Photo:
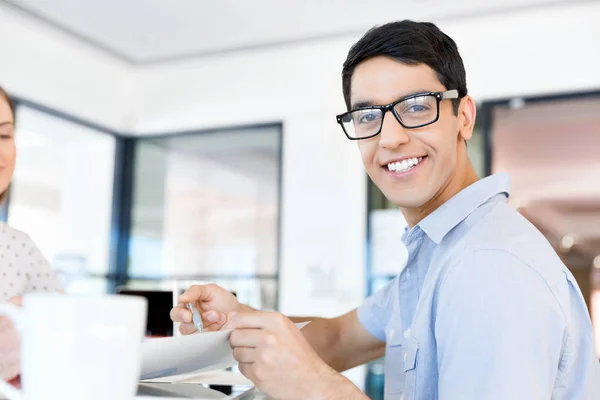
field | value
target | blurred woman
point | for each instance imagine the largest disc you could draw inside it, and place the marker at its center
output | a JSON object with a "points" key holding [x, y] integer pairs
{"points": [[23, 268]]}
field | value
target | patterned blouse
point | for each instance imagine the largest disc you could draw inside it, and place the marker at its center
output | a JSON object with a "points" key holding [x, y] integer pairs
{"points": [[23, 268]]}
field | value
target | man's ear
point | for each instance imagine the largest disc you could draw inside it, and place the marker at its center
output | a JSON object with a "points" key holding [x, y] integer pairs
{"points": [[466, 117]]}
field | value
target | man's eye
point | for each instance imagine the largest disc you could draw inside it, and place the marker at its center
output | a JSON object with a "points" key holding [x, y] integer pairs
{"points": [[367, 118], [415, 108]]}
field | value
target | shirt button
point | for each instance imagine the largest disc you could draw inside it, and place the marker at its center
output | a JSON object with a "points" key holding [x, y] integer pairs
{"points": [[406, 333], [404, 357], [391, 334]]}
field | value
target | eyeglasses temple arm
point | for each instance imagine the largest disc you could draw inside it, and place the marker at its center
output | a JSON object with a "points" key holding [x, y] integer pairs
{"points": [[450, 94]]}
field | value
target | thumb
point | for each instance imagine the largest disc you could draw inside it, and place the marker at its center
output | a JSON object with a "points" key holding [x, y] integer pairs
{"points": [[213, 317]]}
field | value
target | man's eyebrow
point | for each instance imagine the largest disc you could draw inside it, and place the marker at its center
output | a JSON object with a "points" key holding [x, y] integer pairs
{"points": [[361, 104], [368, 103], [6, 123]]}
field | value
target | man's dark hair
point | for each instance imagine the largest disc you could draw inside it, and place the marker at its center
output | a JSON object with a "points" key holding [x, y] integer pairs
{"points": [[410, 43]]}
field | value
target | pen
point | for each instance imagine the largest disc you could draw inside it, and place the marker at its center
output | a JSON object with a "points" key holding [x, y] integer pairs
{"points": [[195, 316]]}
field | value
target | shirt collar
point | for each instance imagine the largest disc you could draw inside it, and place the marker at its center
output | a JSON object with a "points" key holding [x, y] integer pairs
{"points": [[437, 224]]}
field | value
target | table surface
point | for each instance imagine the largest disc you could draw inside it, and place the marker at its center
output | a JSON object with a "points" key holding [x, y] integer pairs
{"points": [[191, 388]]}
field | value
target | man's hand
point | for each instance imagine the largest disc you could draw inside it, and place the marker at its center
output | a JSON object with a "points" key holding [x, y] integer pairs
{"points": [[213, 302], [274, 354], [10, 346]]}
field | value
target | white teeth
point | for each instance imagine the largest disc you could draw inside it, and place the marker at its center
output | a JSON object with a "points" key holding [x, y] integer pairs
{"points": [[404, 165]]}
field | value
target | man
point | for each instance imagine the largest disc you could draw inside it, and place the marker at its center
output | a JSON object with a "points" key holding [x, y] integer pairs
{"points": [[484, 308]]}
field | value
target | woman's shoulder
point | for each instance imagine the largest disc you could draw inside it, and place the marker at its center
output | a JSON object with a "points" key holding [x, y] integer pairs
{"points": [[17, 247], [23, 268], [8, 233], [16, 261]]}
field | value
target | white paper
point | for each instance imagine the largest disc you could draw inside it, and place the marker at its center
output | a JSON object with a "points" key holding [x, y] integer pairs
{"points": [[202, 351], [223, 378], [183, 355]]}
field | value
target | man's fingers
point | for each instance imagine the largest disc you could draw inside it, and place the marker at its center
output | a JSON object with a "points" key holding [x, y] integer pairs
{"points": [[188, 326], [246, 370], [180, 314], [255, 320], [187, 329], [213, 317], [244, 354], [16, 300], [198, 293], [249, 338], [213, 320]]}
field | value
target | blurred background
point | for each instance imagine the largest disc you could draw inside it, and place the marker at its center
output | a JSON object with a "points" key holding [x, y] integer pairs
{"points": [[166, 143]]}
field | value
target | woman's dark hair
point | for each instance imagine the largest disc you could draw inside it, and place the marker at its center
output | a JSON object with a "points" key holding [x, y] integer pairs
{"points": [[410, 43]]}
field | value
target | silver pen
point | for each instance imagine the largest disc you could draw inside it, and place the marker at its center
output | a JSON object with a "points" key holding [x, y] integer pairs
{"points": [[196, 318]]}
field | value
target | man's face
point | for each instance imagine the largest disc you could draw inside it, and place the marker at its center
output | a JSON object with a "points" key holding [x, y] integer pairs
{"points": [[380, 81]]}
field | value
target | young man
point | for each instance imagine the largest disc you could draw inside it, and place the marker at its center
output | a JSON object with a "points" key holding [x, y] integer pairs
{"points": [[484, 308]]}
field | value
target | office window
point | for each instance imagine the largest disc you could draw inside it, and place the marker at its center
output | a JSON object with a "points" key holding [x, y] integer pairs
{"points": [[61, 195], [206, 208]]}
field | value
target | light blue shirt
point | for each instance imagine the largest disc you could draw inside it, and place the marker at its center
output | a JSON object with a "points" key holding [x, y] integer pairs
{"points": [[484, 309]]}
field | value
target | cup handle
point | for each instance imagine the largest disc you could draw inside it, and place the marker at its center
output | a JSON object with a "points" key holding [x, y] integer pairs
{"points": [[15, 314]]}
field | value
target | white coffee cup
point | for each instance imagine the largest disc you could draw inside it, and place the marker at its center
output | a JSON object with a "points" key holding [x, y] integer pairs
{"points": [[75, 347]]}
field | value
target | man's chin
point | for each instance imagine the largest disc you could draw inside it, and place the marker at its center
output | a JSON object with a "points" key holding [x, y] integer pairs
{"points": [[407, 201]]}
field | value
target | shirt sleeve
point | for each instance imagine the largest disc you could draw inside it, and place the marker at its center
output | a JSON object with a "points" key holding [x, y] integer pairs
{"points": [[499, 330], [374, 313]]}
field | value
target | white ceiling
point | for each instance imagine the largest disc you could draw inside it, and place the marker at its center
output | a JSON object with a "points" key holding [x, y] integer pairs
{"points": [[150, 31]]}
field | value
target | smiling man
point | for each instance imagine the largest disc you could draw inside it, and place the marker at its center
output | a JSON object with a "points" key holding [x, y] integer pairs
{"points": [[484, 308]]}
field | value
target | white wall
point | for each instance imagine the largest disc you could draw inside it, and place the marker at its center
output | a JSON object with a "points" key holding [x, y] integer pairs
{"points": [[47, 66], [532, 52]]}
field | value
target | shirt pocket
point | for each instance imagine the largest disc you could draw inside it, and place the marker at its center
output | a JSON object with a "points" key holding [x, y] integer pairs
{"points": [[410, 368], [394, 360]]}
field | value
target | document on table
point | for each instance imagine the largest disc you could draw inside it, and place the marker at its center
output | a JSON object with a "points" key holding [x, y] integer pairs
{"points": [[184, 355]]}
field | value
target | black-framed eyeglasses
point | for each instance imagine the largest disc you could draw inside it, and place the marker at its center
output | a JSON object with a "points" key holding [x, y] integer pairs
{"points": [[414, 111]]}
